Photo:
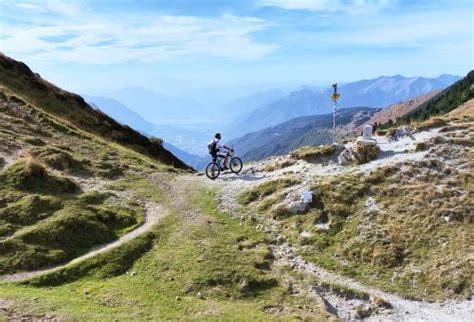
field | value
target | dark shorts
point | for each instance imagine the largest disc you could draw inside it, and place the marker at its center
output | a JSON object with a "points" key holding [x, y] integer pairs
{"points": [[214, 156]]}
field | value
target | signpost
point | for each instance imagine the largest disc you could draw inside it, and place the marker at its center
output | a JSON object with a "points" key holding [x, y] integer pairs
{"points": [[335, 96]]}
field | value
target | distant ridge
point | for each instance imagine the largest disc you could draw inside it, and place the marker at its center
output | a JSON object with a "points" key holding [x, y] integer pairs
{"points": [[379, 92], [18, 77]]}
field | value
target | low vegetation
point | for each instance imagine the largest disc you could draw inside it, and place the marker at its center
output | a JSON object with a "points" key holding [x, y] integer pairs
{"points": [[30, 88], [434, 122], [405, 229], [364, 153], [266, 189], [183, 268], [443, 103], [311, 154]]}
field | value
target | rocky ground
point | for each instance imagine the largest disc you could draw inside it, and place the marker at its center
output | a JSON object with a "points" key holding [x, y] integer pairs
{"points": [[363, 301]]}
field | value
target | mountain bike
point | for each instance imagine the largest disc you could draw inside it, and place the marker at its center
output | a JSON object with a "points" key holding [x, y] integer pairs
{"points": [[213, 169]]}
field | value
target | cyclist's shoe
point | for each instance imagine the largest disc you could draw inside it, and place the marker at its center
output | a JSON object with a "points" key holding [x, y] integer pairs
{"points": [[225, 168]]}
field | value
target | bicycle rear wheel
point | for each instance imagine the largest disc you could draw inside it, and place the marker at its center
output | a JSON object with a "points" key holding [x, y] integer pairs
{"points": [[236, 165], [213, 170]]}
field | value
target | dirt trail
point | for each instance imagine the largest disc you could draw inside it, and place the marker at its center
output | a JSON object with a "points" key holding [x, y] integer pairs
{"points": [[153, 213], [230, 186], [286, 255]]}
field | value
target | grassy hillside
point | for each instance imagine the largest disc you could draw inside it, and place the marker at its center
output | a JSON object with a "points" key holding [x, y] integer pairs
{"points": [[67, 188], [53, 206], [405, 227], [31, 88]]}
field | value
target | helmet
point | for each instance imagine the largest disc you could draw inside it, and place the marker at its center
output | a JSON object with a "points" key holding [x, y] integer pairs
{"points": [[217, 136]]}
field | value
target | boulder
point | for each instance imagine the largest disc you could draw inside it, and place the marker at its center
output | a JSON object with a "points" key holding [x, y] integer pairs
{"points": [[345, 157]]}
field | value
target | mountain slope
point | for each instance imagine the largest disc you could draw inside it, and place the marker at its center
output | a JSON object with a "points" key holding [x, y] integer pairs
{"points": [[307, 130], [393, 112], [120, 113], [378, 92], [92, 229], [18, 78], [448, 100], [158, 107], [124, 115], [240, 108]]}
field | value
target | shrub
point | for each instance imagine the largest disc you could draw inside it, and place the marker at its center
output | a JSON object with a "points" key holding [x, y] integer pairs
{"points": [[266, 189], [431, 123], [310, 153], [365, 153], [31, 175], [58, 159], [421, 146], [157, 141]]}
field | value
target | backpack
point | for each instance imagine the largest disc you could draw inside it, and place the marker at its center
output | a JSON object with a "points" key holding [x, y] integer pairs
{"points": [[212, 146]]}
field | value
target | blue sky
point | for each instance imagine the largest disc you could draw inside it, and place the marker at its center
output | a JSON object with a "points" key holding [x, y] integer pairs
{"points": [[174, 46]]}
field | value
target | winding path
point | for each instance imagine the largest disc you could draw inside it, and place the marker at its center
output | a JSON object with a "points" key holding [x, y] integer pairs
{"points": [[153, 213]]}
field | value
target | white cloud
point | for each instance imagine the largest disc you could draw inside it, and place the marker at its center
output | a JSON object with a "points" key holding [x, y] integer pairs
{"points": [[425, 30], [86, 37], [351, 6]]}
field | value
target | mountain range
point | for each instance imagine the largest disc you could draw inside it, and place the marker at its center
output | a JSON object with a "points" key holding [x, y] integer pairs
{"points": [[160, 108], [306, 130], [378, 92]]}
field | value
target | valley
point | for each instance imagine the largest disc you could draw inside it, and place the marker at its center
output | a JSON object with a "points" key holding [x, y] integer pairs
{"points": [[99, 221]]}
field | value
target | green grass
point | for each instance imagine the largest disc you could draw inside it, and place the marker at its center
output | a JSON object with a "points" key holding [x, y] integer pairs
{"points": [[406, 246], [266, 189], [310, 153], [30, 175], [20, 86], [159, 275]]}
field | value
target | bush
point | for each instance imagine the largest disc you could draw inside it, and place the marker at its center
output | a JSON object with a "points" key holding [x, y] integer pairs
{"points": [[58, 159], [310, 153], [421, 146], [266, 189], [431, 123], [157, 141], [365, 153], [31, 175]]}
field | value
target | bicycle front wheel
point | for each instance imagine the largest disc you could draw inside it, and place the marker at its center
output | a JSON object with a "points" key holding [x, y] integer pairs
{"points": [[236, 165], [213, 170]]}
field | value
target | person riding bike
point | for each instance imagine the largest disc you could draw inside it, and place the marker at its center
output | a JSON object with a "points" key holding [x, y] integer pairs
{"points": [[214, 148]]}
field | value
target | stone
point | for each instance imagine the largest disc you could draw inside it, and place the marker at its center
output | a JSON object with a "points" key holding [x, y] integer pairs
{"points": [[307, 197], [296, 207], [345, 157], [367, 132], [305, 234]]}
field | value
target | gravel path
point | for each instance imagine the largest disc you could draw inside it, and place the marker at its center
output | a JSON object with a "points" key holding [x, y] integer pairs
{"points": [[393, 152], [153, 213]]}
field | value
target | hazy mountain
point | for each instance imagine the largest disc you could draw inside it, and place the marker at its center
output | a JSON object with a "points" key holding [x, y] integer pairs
{"points": [[124, 115], [378, 92], [121, 113], [196, 161], [306, 130], [242, 106], [158, 107]]}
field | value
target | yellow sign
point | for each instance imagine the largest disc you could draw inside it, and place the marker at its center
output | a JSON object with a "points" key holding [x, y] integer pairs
{"points": [[335, 96]]}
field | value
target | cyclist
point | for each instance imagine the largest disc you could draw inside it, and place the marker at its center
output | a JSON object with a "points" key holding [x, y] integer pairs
{"points": [[214, 148]]}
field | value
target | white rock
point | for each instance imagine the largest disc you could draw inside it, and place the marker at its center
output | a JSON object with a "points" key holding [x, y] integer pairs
{"points": [[307, 197], [344, 157], [305, 234]]}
